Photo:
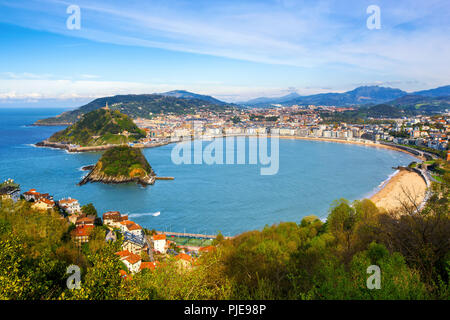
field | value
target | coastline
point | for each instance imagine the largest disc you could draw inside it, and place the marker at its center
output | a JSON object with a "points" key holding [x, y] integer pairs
{"points": [[399, 189], [388, 196], [55, 145]]}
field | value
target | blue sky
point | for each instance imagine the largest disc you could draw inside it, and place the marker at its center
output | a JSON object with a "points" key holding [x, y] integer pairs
{"points": [[233, 50]]}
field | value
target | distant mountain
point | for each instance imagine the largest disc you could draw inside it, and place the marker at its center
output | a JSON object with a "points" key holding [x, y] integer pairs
{"points": [[358, 96], [99, 127], [189, 95], [437, 92], [421, 104], [140, 105], [269, 101], [384, 111]]}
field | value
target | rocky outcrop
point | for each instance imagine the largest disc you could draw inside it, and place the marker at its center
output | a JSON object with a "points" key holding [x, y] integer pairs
{"points": [[96, 175]]}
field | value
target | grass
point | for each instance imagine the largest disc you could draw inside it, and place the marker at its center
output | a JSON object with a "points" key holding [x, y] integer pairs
{"points": [[194, 242], [437, 178]]}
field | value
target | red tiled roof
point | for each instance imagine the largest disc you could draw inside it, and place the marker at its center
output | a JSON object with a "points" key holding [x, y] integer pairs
{"points": [[134, 227], [159, 237], [82, 231], [123, 253], [133, 258], [184, 256], [114, 215], [46, 201], [67, 201], [85, 219], [147, 265]]}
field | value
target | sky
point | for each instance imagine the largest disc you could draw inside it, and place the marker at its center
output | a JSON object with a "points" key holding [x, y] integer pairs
{"points": [[232, 50]]}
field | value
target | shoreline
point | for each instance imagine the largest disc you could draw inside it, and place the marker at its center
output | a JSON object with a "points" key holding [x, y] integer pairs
{"points": [[399, 189], [362, 142], [384, 197]]}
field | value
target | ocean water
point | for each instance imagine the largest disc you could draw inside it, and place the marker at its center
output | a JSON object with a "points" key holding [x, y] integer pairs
{"points": [[202, 198]]}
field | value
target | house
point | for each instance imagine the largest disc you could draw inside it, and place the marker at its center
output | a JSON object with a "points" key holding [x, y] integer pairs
{"points": [[70, 206], [113, 219], [132, 227], [132, 261], [85, 221], [43, 204], [133, 243], [184, 260], [81, 234], [33, 195], [9, 190], [159, 242]]}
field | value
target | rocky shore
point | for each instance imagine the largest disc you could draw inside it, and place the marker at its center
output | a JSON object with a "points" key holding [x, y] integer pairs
{"points": [[97, 176], [69, 148]]}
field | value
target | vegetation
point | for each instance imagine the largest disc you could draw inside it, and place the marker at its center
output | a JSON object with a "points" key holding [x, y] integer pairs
{"points": [[142, 105], [100, 127], [124, 161], [307, 260]]}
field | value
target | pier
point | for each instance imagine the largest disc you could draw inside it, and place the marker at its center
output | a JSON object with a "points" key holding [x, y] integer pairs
{"points": [[191, 235]]}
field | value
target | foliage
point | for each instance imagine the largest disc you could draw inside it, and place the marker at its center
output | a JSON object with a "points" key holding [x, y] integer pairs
{"points": [[124, 161], [143, 106], [99, 127], [306, 260]]}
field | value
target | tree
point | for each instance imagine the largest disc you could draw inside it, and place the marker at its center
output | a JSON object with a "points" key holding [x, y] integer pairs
{"points": [[102, 280]]}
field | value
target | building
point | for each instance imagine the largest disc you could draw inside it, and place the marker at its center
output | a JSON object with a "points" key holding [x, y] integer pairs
{"points": [[133, 243], [132, 227], [43, 204], [132, 261], [33, 195], [85, 221], [159, 243], [70, 206], [136, 230], [81, 234], [113, 219], [184, 260], [9, 190]]}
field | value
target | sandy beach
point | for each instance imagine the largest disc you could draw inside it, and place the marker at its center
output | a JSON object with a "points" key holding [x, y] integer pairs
{"points": [[402, 187]]}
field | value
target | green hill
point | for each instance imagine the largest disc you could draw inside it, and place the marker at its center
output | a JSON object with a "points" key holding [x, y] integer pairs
{"points": [[121, 164], [100, 127], [140, 105]]}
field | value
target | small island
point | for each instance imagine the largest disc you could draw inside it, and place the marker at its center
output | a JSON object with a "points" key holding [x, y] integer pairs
{"points": [[121, 164]]}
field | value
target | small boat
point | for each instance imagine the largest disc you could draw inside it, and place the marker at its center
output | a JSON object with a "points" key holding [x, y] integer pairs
{"points": [[156, 214]]}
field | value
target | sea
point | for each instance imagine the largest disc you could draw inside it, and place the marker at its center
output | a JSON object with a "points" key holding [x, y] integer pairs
{"points": [[203, 198]]}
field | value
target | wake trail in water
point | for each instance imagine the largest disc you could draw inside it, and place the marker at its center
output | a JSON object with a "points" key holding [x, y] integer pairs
{"points": [[136, 215]]}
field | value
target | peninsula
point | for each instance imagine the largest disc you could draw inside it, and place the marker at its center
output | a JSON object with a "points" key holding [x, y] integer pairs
{"points": [[97, 128], [121, 164]]}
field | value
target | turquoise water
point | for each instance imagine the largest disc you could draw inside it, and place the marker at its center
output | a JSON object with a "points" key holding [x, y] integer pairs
{"points": [[202, 198]]}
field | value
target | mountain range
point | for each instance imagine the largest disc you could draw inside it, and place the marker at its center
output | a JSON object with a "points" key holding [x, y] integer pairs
{"points": [[184, 102]]}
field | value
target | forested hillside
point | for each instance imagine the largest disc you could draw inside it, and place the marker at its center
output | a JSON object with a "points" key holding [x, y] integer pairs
{"points": [[305, 260]]}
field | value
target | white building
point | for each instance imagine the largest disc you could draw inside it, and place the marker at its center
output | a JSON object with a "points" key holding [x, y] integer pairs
{"points": [[69, 205], [159, 242]]}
